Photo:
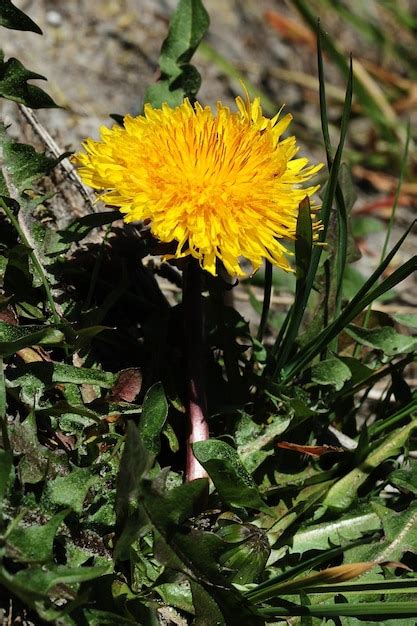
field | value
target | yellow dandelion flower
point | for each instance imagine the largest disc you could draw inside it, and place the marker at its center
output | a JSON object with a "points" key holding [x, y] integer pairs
{"points": [[222, 185]]}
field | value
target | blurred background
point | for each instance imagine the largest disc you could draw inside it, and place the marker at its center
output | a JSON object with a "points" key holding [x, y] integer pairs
{"points": [[100, 55]]}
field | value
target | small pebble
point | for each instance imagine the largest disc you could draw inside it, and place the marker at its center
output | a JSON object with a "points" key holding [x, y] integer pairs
{"points": [[54, 18]]}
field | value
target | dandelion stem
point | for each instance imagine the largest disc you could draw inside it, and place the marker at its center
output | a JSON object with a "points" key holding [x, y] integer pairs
{"points": [[194, 338]]}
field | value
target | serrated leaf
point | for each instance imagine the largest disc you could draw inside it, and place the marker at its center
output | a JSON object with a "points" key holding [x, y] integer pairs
{"points": [[14, 85], [386, 339], [400, 536], [33, 544], [252, 439], [71, 490], [193, 551], [22, 163], [331, 372], [234, 484], [153, 417], [35, 457], [179, 79], [14, 18], [335, 532], [405, 478], [358, 370]]}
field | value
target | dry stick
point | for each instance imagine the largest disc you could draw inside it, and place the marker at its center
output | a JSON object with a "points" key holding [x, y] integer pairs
{"points": [[194, 341], [50, 143]]}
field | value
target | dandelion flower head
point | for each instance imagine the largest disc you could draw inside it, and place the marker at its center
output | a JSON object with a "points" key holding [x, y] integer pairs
{"points": [[222, 186]]}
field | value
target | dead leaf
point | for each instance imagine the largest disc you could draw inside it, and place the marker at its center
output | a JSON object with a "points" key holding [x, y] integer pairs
{"points": [[9, 316], [291, 29], [128, 385], [65, 441], [309, 450]]}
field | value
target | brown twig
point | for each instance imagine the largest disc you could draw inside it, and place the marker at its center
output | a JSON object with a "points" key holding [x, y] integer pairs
{"points": [[50, 143]]}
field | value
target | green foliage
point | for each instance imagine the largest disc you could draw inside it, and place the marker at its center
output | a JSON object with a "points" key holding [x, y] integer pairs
{"points": [[308, 487], [154, 415], [180, 79], [233, 483], [14, 85], [12, 17], [22, 164]]}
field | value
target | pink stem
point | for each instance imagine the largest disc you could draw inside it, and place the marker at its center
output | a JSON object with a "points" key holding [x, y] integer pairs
{"points": [[196, 403]]}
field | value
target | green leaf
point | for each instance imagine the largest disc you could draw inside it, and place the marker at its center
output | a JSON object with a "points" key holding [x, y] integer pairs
{"points": [[105, 618], [177, 594], [255, 442], [35, 582], [14, 338], [305, 288], [50, 373], [33, 544], [14, 85], [22, 164], [71, 490], [12, 17], [179, 79], [344, 492], [134, 464], [234, 484], [187, 27], [6, 464], [367, 294], [79, 228], [31, 235], [153, 418], [331, 372], [35, 458], [331, 533], [371, 610], [406, 319], [359, 372], [405, 478], [386, 339], [303, 256], [193, 551], [400, 536], [207, 611]]}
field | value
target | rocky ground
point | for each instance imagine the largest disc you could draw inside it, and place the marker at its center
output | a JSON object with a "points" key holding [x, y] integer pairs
{"points": [[100, 55]]}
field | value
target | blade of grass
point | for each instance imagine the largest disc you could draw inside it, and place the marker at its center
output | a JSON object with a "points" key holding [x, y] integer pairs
{"points": [[364, 296], [303, 258], [391, 221], [369, 587], [368, 93], [388, 610], [380, 426], [304, 566], [281, 350], [373, 378], [342, 218]]}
